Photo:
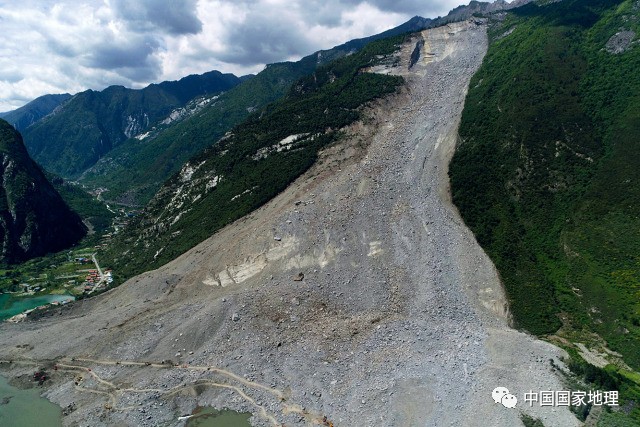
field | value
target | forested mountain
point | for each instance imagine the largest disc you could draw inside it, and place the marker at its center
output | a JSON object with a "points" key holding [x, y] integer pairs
{"points": [[34, 220], [547, 171], [136, 169], [28, 114], [94, 213], [92, 123], [131, 141]]}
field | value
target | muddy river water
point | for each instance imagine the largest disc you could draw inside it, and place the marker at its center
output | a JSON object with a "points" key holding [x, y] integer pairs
{"points": [[26, 408]]}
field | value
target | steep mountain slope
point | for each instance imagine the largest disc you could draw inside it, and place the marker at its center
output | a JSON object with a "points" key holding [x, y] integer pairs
{"points": [[35, 110], [92, 123], [253, 163], [34, 220], [475, 8], [135, 170], [396, 320], [418, 23], [547, 171]]}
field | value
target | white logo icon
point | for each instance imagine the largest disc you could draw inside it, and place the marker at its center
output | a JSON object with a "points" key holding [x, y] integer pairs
{"points": [[502, 395], [509, 401], [498, 393]]}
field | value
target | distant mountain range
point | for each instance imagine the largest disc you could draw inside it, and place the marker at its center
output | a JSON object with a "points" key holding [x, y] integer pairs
{"points": [[90, 124], [131, 141], [35, 110], [34, 220], [135, 170]]}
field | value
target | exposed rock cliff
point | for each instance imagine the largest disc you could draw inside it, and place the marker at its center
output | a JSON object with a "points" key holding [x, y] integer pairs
{"points": [[34, 220]]}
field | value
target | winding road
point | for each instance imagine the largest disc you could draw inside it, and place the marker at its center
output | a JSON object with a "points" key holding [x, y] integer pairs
{"points": [[115, 393]]}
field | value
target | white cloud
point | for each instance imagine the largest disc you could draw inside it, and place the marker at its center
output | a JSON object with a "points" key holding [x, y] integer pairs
{"points": [[56, 46]]}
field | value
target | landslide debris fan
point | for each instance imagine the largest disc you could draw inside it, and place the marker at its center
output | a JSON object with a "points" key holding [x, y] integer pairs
{"points": [[34, 220], [254, 162]]}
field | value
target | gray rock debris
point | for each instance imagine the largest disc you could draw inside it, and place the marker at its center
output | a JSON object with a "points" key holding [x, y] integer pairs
{"points": [[620, 42]]}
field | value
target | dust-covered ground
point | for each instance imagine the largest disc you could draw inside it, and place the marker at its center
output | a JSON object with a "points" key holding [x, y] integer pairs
{"points": [[357, 294]]}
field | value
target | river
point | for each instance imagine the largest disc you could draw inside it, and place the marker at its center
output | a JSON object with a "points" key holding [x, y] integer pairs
{"points": [[10, 306], [210, 417], [25, 408]]}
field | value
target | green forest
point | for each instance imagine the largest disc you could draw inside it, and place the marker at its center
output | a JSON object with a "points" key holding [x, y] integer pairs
{"points": [[135, 170], [547, 169]]}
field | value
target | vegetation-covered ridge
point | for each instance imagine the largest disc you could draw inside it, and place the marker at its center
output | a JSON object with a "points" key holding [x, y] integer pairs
{"points": [[252, 163], [135, 170], [547, 172], [23, 117], [92, 211], [90, 124], [34, 219]]}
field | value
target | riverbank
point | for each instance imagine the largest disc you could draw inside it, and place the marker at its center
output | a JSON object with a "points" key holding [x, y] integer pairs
{"points": [[26, 408], [14, 309]]}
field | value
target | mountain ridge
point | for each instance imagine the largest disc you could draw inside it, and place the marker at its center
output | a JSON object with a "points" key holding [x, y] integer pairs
{"points": [[546, 176], [30, 113], [91, 123], [133, 172], [34, 220]]}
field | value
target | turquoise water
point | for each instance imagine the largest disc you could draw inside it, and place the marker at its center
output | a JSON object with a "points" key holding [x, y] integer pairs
{"points": [[210, 417], [25, 408], [10, 306]]}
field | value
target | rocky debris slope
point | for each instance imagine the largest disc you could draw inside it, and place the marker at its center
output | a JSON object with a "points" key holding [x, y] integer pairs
{"points": [[620, 42], [357, 294]]}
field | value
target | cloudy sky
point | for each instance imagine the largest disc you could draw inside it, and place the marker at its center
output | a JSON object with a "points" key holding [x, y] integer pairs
{"points": [[57, 46]]}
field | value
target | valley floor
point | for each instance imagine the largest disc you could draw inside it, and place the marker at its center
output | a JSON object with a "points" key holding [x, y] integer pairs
{"points": [[398, 317]]}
